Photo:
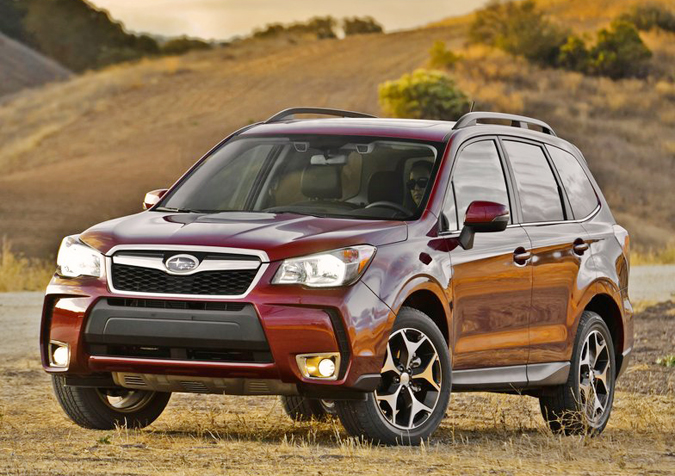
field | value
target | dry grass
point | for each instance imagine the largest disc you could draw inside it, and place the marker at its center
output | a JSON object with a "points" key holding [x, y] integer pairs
{"points": [[209, 434], [482, 434], [663, 256], [18, 273]]}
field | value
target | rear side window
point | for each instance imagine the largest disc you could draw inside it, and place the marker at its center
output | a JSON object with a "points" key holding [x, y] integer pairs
{"points": [[579, 189], [537, 187], [478, 175]]}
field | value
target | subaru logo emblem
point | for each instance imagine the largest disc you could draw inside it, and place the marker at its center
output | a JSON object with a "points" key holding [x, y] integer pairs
{"points": [[181, 263]]}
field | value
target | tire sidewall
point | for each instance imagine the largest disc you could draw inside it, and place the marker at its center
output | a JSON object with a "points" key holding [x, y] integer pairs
{"points": [[410, 318], [593, 322]]}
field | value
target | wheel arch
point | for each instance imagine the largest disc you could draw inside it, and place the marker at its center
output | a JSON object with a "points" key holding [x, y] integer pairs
{"points": [[426, 295], [604, 298]]}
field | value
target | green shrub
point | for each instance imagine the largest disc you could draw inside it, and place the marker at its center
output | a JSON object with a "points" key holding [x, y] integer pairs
{"points": [[440, 57], [667, 361], [619, 52], [361, 26], [423, 94], [574, 55], [650, 16], [520, 29]]}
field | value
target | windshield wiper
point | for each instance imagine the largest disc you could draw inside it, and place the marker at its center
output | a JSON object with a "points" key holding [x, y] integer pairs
{"points": [[296, 212], [179, 210]]}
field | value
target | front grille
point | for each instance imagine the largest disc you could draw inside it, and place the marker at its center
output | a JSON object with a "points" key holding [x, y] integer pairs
{"points": [[213, 283], [165, 304], [181, 353]]}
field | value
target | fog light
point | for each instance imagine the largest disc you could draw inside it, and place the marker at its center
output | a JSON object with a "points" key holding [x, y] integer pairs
{"points": [[326, 368], [59, 354], [319, 366]]}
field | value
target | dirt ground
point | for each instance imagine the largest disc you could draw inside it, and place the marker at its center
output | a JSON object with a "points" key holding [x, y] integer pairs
{"points": [[209, 434]]}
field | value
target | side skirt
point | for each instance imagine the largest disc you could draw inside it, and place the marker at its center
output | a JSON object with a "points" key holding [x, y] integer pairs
{"points": [[514, 377]]}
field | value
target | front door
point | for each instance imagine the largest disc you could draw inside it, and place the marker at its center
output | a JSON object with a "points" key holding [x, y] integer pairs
{"points": [[492, 282]]}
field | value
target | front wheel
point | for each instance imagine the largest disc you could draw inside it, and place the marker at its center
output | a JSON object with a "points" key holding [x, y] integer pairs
{"points": [[583, 404], [305, 409], [105, 409], [414, 391]]}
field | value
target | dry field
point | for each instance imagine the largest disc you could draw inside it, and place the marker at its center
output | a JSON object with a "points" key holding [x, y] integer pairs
{"points": [[482, 433], [75, 153]]}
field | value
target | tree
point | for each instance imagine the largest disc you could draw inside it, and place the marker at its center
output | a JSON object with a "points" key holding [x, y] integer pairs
{"points": [[423, 94], [179, 46], [574, 55], [361, 26], [81, 37], [650, 16], [619, 51], [520, 29]]}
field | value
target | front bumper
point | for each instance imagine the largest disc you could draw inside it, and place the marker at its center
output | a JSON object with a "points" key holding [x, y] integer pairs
{"points": [[273, 325]]}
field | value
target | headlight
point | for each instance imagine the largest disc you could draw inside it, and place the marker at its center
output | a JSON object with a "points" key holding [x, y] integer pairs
{"points": [[77, 259], [334, 268]]}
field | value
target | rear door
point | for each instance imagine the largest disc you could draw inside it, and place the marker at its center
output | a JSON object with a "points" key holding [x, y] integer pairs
{"points": [[491, 291], [559, 246]]}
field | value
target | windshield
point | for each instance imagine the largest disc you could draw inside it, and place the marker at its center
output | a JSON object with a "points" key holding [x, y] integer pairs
{"points": [[333, 176]]}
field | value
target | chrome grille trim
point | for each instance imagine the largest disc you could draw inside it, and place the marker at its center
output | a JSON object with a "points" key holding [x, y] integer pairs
{"points": [[206, 265], [263, 264]]}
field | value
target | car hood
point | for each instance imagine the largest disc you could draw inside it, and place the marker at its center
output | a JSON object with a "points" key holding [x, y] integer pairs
{"points": [[279, 235]]}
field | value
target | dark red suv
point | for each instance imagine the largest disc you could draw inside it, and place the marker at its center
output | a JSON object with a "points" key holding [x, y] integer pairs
{"points": [[357, 266]]}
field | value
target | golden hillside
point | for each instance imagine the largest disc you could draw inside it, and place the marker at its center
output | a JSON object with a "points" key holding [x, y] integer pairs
{"points": [[79, 152]]}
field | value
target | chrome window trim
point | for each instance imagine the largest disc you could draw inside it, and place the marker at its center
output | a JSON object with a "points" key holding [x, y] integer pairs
{"points": [[448, 234], [208, 249], [560, 222]]}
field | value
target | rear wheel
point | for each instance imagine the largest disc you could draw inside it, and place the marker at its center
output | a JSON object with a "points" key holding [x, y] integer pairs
{"points": [[104, 409], [306, 409], [414, 391], [583, 404]]}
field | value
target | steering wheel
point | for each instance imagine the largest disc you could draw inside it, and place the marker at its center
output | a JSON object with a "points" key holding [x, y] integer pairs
{"points": [[395, 206]]}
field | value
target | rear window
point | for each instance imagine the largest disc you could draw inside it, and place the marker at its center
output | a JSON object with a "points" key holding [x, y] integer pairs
{"points": [[540, 198], [579, 189]]}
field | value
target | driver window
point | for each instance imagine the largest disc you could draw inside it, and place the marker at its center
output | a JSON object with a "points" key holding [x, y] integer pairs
{"points": [[478, 175]]}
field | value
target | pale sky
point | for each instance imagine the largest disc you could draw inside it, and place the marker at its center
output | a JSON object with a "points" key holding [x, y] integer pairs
{"points": [[223, 19]]}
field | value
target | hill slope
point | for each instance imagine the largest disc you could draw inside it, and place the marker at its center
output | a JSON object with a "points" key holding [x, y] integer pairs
{"points": [[76, 153], [22, 67]]}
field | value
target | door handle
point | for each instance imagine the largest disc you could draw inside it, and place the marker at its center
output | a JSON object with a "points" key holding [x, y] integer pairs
{"points": [[521, 256], [580, 246]]}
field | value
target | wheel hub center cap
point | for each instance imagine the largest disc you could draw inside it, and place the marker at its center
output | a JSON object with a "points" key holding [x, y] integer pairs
{"points": [[405, 378]]}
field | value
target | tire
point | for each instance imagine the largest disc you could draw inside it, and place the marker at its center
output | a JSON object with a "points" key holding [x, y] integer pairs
{"points": [[572, 408], [104, 409], [425, 379], [306, 409]]}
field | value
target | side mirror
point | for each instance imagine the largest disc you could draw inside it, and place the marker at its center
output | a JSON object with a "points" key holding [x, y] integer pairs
{"points": [[151, 198], [483, 217]]}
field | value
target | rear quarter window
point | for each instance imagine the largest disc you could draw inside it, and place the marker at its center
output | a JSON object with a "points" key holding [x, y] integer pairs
{"points": [[579, 189]]}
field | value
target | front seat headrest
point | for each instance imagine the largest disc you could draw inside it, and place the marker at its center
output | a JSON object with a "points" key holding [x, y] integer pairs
{"points": [[322, 182], [385, 186]]}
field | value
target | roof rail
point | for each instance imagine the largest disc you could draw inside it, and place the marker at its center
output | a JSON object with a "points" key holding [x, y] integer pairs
{"points": [[289, 113], [472, 118]]}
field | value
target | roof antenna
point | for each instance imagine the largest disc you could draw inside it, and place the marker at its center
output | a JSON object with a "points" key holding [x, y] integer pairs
{"points": [[473, 103]]}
